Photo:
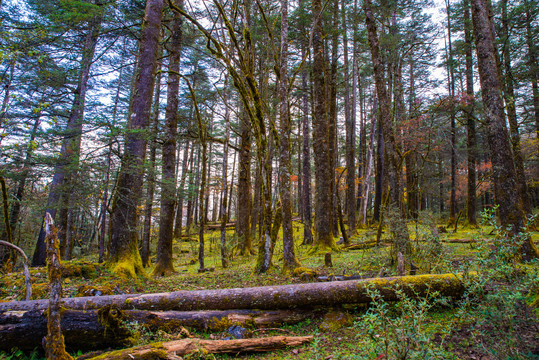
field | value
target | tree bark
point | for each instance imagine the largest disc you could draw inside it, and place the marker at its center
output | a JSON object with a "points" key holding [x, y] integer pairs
{"points": [[503, 171], [164, 265], [124, 256]]}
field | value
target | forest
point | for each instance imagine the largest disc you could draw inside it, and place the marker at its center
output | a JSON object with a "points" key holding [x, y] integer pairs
{"points": [[215, 179]]}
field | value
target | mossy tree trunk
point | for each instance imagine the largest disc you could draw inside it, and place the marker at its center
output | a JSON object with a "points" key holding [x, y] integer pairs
{"points": [[503, 170], [124, 256], [164, 264]]}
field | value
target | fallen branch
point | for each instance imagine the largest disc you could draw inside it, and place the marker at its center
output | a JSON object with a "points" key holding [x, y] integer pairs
{"points": [[26, 272], [306, 295], [173, 349]]}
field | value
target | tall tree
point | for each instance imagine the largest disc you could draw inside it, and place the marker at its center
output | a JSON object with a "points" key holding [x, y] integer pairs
{"points": [[399, 225], [70, 151], [503, 170], [322, 156], [471, 142], [164, 264], [124, 256], [290, 261]]}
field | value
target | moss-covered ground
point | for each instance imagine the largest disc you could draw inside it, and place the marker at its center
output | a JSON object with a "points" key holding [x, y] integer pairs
{"points": [[498, 320]]}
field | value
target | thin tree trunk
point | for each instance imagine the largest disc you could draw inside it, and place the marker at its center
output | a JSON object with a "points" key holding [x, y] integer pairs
{"points": [[471, 142], [289, 256], [350, 135], [164, 265], [400, 230], [532, 62], [181, 192], [151, 173], [368, 172], [70, 150]]}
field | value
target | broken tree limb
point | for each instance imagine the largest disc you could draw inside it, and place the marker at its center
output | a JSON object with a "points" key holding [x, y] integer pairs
{"points": [[293, 296], [99, 329], [26, 272], [173, 349]]}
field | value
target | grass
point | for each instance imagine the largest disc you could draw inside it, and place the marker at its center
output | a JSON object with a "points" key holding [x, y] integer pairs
{"points": [[441, 332]]}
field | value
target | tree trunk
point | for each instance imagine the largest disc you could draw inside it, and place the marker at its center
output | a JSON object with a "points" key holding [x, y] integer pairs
{"points": [[471, 142], [503, 171], [306, 169], [379, 176], [290, 262], [400, 230], [150, 174], [178, 222], [164, 264], [350, 135], [243, 219], [509, 97], [124, 255], [174, 349], [532, 62], [368, 172], [294, 296], [323, 205], [70, 150]]}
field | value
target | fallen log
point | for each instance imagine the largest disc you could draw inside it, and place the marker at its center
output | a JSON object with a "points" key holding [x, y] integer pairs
{"points": [[361, 246], [173, 349], [459, 241], [307, 295], [218, 226], [99, 329]]}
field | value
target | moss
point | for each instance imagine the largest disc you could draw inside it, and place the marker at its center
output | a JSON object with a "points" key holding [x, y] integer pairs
{"points": [[128, 266], [335, 320], [304, 273], [149, 352], [113, 322]]}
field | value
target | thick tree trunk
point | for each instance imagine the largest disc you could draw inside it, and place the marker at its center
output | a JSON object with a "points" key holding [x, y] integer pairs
{"points": [[164, 264], [503, 171], [323, 206], [124, 256], [107, 327], [509, 97], [295, 296]]}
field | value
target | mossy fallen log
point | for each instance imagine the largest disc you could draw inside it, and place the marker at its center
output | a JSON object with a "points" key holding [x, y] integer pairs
{"points": [[293, 296], [106, 327], [174, 349]]}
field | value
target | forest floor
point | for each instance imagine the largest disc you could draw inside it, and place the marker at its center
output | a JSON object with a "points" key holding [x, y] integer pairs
{"points": [[498, 318]]}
